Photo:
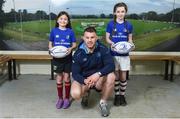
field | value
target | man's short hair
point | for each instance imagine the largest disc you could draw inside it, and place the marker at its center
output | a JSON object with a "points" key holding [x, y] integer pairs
{"points": [[90, 29]]}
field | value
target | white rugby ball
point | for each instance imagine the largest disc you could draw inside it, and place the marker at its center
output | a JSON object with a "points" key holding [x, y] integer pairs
{"points": [[58, 51], [122, 47]]}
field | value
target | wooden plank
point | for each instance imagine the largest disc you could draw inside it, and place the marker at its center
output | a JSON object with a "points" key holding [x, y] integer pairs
{"points": [[177, 59], [151, 57], [4, 59], [30, 57], [43, 55]]}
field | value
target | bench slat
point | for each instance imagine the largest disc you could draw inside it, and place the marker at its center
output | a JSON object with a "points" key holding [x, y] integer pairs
{"points": [[4, 59]]}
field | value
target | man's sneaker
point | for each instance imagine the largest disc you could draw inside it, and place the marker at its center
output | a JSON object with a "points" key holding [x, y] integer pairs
{"points": [[66, 103], [123, 100], [104, 109], [117, 100], [84, 101], [59, 104]]}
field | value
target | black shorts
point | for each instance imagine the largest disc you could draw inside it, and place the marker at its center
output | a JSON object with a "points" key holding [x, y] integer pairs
{"points": [[61, 65]]}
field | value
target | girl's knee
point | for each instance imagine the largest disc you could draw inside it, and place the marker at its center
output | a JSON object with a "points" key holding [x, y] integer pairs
{"points": [[66, 77], [59, 78], [67, 80]]}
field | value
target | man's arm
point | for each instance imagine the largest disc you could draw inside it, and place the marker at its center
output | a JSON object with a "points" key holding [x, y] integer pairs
{"points": [[76, 70], [108, 62]]}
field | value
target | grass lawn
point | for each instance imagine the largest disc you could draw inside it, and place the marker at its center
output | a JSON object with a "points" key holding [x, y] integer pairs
{"points": [[146, 33], [146, 41]]}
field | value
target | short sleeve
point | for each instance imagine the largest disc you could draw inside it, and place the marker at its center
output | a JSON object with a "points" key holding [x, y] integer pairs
{"points": [[51, 36], [109, 28], [130, 28], [73, 38]]}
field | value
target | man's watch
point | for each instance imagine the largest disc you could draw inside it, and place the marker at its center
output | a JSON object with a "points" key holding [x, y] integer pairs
{"points": [[99, 73]]}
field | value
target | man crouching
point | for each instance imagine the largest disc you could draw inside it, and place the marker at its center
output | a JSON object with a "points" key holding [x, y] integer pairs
{"points": [[92, 67]]}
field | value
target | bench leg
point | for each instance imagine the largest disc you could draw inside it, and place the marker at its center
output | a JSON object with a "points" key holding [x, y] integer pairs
{"points": [[127, 75], [166, 70], [14, 69], [52, 71], [172, 71], [10, 70]]}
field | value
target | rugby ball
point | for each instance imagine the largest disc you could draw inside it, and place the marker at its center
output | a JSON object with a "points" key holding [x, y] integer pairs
{"points": [[122, 47], [58, 51]]}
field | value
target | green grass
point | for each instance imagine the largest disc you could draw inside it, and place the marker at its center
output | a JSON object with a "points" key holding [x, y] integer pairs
{"points": [[140, 27], [146, 41], [42, 28], [146, 33], [17, 35]]}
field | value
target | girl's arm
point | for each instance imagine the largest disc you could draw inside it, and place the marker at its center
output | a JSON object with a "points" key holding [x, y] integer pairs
{"points": [[72, 47], [107, 39], [50, 45], [130, 40]]}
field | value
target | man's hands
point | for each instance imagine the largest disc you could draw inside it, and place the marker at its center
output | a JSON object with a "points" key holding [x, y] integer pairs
{"points": [[91, 80]]}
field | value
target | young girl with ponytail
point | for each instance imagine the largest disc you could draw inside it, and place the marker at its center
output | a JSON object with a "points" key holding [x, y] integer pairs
{"points": [[118, 30]]}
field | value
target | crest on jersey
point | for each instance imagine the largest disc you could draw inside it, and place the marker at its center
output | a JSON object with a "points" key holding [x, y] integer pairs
{"points": [[57, 36], [85, 59], [125, 30], [98, 54], [67, 37]]}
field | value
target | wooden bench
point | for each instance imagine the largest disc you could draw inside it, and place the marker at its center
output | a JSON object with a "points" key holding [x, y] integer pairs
{"points": [[27, 56], [167, 57], [135, 56], [4, 59]]}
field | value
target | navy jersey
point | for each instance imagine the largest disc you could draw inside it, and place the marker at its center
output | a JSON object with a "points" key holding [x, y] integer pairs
{"points": [[86, 64], [62, 37], [119, 32]]}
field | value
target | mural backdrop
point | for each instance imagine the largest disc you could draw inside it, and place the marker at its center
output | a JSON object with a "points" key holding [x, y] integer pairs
{"points": [[26, 24]]}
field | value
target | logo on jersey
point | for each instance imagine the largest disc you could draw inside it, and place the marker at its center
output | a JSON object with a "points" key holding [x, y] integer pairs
{"points": [[73, 61], [57, 36], [55, 67], [67, 37], [125, 30], [85, 59], [98, 54]]}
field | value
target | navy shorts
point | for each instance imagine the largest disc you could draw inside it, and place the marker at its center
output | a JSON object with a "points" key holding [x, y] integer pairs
{"points": [[61, 65]]}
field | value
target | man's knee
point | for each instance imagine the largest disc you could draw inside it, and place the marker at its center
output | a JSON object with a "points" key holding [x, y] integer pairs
{"points": [[75, 90], [76, 94], [111, 78]]}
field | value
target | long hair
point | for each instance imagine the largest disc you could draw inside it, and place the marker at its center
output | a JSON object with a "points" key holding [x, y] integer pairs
{"points": [[121, 4], [60, 14]]}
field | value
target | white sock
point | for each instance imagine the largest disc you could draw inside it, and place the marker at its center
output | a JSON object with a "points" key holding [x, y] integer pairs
{"points": [[102, 101]]}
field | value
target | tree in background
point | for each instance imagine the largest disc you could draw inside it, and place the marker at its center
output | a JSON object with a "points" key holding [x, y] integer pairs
{"points": [[102, 15]]}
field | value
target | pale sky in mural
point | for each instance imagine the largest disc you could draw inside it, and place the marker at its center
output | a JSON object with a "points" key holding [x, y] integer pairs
{"points": [[91, 6]]}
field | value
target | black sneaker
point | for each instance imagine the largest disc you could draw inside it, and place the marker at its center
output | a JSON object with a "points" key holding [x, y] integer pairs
{"points": [[117, 100], [123, 100], [84, 101]]}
